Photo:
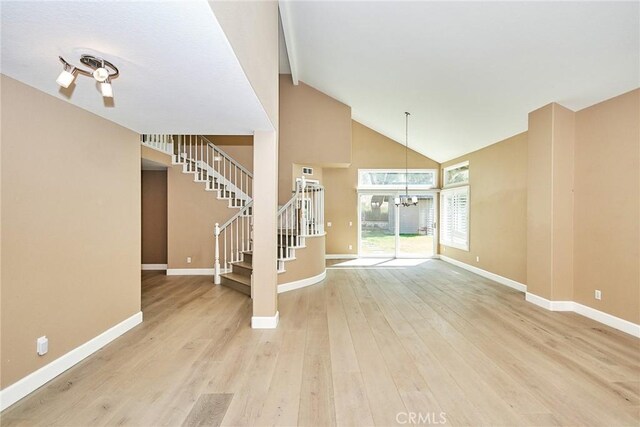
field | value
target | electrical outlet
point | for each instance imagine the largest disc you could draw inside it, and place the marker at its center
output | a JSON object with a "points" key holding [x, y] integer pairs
{"points": [[329, 224], [188, 260], [598, 294], [350, 247], [350, 223], [42, 345], [477, 259]]}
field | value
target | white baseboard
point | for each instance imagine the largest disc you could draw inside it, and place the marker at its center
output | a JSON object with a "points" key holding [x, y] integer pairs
{"points": [[154, 266], [487, 274], [266, 322], [586, 311], [297, 284], [190, 271], [591, 313], [608, 319], [340, 256], [548, 304], [35, 380]]}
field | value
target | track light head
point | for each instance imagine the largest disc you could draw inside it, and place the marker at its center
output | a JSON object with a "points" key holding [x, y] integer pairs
{"points": [[101, 74], [66, 77], [106, 89]]}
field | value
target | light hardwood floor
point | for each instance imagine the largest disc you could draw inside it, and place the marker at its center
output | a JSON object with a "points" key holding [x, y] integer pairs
{"points": [[367, 346]]}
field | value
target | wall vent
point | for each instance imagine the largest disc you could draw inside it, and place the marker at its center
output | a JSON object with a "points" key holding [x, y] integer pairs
{"points": [[307, 171]]}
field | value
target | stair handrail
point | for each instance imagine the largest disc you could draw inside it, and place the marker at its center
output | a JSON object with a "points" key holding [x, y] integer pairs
{"points": [[224, 153], [209, 163], [242, 224]]}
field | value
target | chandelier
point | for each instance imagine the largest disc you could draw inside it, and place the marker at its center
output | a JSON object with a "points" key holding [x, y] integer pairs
{"points": [[405, 199]]}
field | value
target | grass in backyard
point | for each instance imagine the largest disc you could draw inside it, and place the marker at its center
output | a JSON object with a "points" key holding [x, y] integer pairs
{"points": [[382, 242]]}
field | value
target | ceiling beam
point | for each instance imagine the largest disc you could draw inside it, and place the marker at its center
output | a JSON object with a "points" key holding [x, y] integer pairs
{"points": [[287, 30]]}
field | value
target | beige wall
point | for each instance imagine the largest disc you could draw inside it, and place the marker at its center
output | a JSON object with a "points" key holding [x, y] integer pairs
{"points": [[607, 213], [315, 130], [192, 213], [498, 209], [369, 150], [296, 172], [539, 221], [154, 217], [239, 147], [562, 196], [309, 261], [550, 202], [252, 30], [71, 227]]}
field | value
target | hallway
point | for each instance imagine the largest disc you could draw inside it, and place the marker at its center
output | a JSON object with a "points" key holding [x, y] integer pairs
{"points": [[367, 346]]}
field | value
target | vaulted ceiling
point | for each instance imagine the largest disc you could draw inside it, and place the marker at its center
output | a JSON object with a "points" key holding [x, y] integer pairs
{"points": [[469, 72]]}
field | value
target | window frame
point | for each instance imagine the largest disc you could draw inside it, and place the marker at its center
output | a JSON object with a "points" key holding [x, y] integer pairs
{"points": [[443, 212], [412, 187], [445, 184]]}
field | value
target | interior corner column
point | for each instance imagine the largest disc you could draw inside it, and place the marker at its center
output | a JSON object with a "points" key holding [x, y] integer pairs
{"points": [[265, 209], [551, 147]]}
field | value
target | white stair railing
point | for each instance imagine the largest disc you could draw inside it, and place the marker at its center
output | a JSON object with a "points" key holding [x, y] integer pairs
{"points": [[300, 217], [163, 143], [289, 228], [311, 195], [233, 238], [217, 169]]}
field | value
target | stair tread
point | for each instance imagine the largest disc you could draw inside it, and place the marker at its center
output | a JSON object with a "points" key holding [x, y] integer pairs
{"points": [[237, 278], [243, 264]]}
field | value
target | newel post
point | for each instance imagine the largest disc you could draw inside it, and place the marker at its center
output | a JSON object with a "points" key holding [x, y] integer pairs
{"points": [[303, 207], [216, 264]]}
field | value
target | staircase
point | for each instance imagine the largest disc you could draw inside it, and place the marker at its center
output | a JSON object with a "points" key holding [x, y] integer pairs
{"points": [[302, 216]]}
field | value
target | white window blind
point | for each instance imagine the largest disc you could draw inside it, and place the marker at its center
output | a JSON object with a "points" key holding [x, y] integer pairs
{"points": [[454, 217]]}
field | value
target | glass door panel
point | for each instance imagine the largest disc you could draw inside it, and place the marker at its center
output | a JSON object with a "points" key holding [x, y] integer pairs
{"points": [[377, 225], [416, 229]]}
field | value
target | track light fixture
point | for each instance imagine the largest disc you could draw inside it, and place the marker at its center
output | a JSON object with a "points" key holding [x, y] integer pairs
{"points": [[102, 71]]}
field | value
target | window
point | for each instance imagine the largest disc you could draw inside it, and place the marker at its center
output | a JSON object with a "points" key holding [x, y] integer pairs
{"points": [[454, 217], [457, 174], [373, 179]]}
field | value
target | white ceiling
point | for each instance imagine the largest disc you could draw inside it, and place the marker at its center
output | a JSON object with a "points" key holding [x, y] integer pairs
{"points": [[469, 72], [283, 59], [178, 71]]}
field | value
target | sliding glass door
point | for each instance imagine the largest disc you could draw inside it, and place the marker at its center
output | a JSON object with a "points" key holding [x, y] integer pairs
{"points": [[416, 229], [386, 230], [377, 225]]}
